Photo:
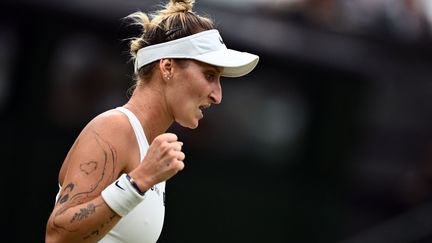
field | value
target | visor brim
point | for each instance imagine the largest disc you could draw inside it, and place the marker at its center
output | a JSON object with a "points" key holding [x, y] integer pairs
{"points": [[234, 63]]}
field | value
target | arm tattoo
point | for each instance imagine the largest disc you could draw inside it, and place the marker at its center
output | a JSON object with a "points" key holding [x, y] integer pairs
{"points": [[96, 231], [109, 159], [84, 212], [65, 196], [88, 167]]}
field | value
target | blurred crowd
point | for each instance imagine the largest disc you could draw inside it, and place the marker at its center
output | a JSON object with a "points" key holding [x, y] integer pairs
{"points": [[405, 19]]}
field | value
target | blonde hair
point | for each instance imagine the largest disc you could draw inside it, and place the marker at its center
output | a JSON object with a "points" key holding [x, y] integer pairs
{"points": [[174, 21]]}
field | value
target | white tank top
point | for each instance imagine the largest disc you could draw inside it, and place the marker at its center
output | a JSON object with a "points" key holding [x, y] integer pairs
{"points": [[144, 223]]}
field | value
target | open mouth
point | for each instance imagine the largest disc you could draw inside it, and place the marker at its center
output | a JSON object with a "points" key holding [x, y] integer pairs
{"points": [[203, 107]]}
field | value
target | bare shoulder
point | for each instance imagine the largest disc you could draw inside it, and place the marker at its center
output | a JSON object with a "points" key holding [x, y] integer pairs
{"points": [[102, 150]]}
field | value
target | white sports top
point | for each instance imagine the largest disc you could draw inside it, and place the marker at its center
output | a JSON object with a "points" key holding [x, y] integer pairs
{"points": [[144, 223]]}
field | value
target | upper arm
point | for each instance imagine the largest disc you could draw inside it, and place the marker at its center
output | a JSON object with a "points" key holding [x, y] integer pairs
{"points": [[96, 159], [103, 150]]}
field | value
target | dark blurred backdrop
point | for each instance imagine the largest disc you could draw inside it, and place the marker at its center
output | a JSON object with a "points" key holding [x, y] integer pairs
{"points": [[329, 139]]}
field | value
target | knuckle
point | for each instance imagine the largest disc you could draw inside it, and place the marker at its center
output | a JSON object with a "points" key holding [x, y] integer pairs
{"points": [[158, 140], [172, 153], [164, 146], [169, 136], [173, 136]]}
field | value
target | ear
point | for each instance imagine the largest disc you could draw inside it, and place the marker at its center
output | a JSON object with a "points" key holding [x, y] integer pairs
{"points": [[166, 68]]}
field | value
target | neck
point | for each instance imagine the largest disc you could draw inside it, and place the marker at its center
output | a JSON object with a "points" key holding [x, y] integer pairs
{"points": [[148, 104]]}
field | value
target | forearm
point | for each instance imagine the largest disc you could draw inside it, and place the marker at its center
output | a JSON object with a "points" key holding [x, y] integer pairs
{"points": [[87, 222]]}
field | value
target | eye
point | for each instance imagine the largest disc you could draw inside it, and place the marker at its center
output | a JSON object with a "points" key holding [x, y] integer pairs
{"points": [[210, 76]]}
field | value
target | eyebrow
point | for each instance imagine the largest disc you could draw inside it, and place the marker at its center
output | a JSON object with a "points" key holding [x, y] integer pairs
{"points": [[217, 69]]}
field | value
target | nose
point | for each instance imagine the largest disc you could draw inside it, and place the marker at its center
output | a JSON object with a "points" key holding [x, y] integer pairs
{"points": [[216, 94]]}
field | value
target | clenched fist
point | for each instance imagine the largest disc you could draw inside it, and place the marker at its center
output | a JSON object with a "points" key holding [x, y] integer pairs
{"points": [[163, 160]]}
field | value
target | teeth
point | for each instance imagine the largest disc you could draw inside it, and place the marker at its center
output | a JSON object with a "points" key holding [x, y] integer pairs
{"points": [[204, 107]]}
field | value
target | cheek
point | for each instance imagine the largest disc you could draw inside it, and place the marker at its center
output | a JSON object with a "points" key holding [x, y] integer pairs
{"points": [[181, 99], [187, 92], [192, 91]]}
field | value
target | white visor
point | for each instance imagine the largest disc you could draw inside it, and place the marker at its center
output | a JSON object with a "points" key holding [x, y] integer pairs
{"points": [[207, 47]]}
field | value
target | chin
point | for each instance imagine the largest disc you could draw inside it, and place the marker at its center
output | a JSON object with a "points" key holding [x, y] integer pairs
{"points": [[191, 125]]}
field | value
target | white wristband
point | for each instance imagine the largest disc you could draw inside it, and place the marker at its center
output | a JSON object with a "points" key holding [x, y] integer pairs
{"points": [[121, 196]]}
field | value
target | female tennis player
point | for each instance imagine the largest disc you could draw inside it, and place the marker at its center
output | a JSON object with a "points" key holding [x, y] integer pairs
{"points": [[112, 181]]}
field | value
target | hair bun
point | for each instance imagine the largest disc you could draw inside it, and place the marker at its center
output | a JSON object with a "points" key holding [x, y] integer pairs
{"points": [[175, 6]]}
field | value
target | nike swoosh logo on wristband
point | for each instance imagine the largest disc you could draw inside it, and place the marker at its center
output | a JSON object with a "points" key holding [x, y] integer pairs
{"points": [[116, 183]]}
